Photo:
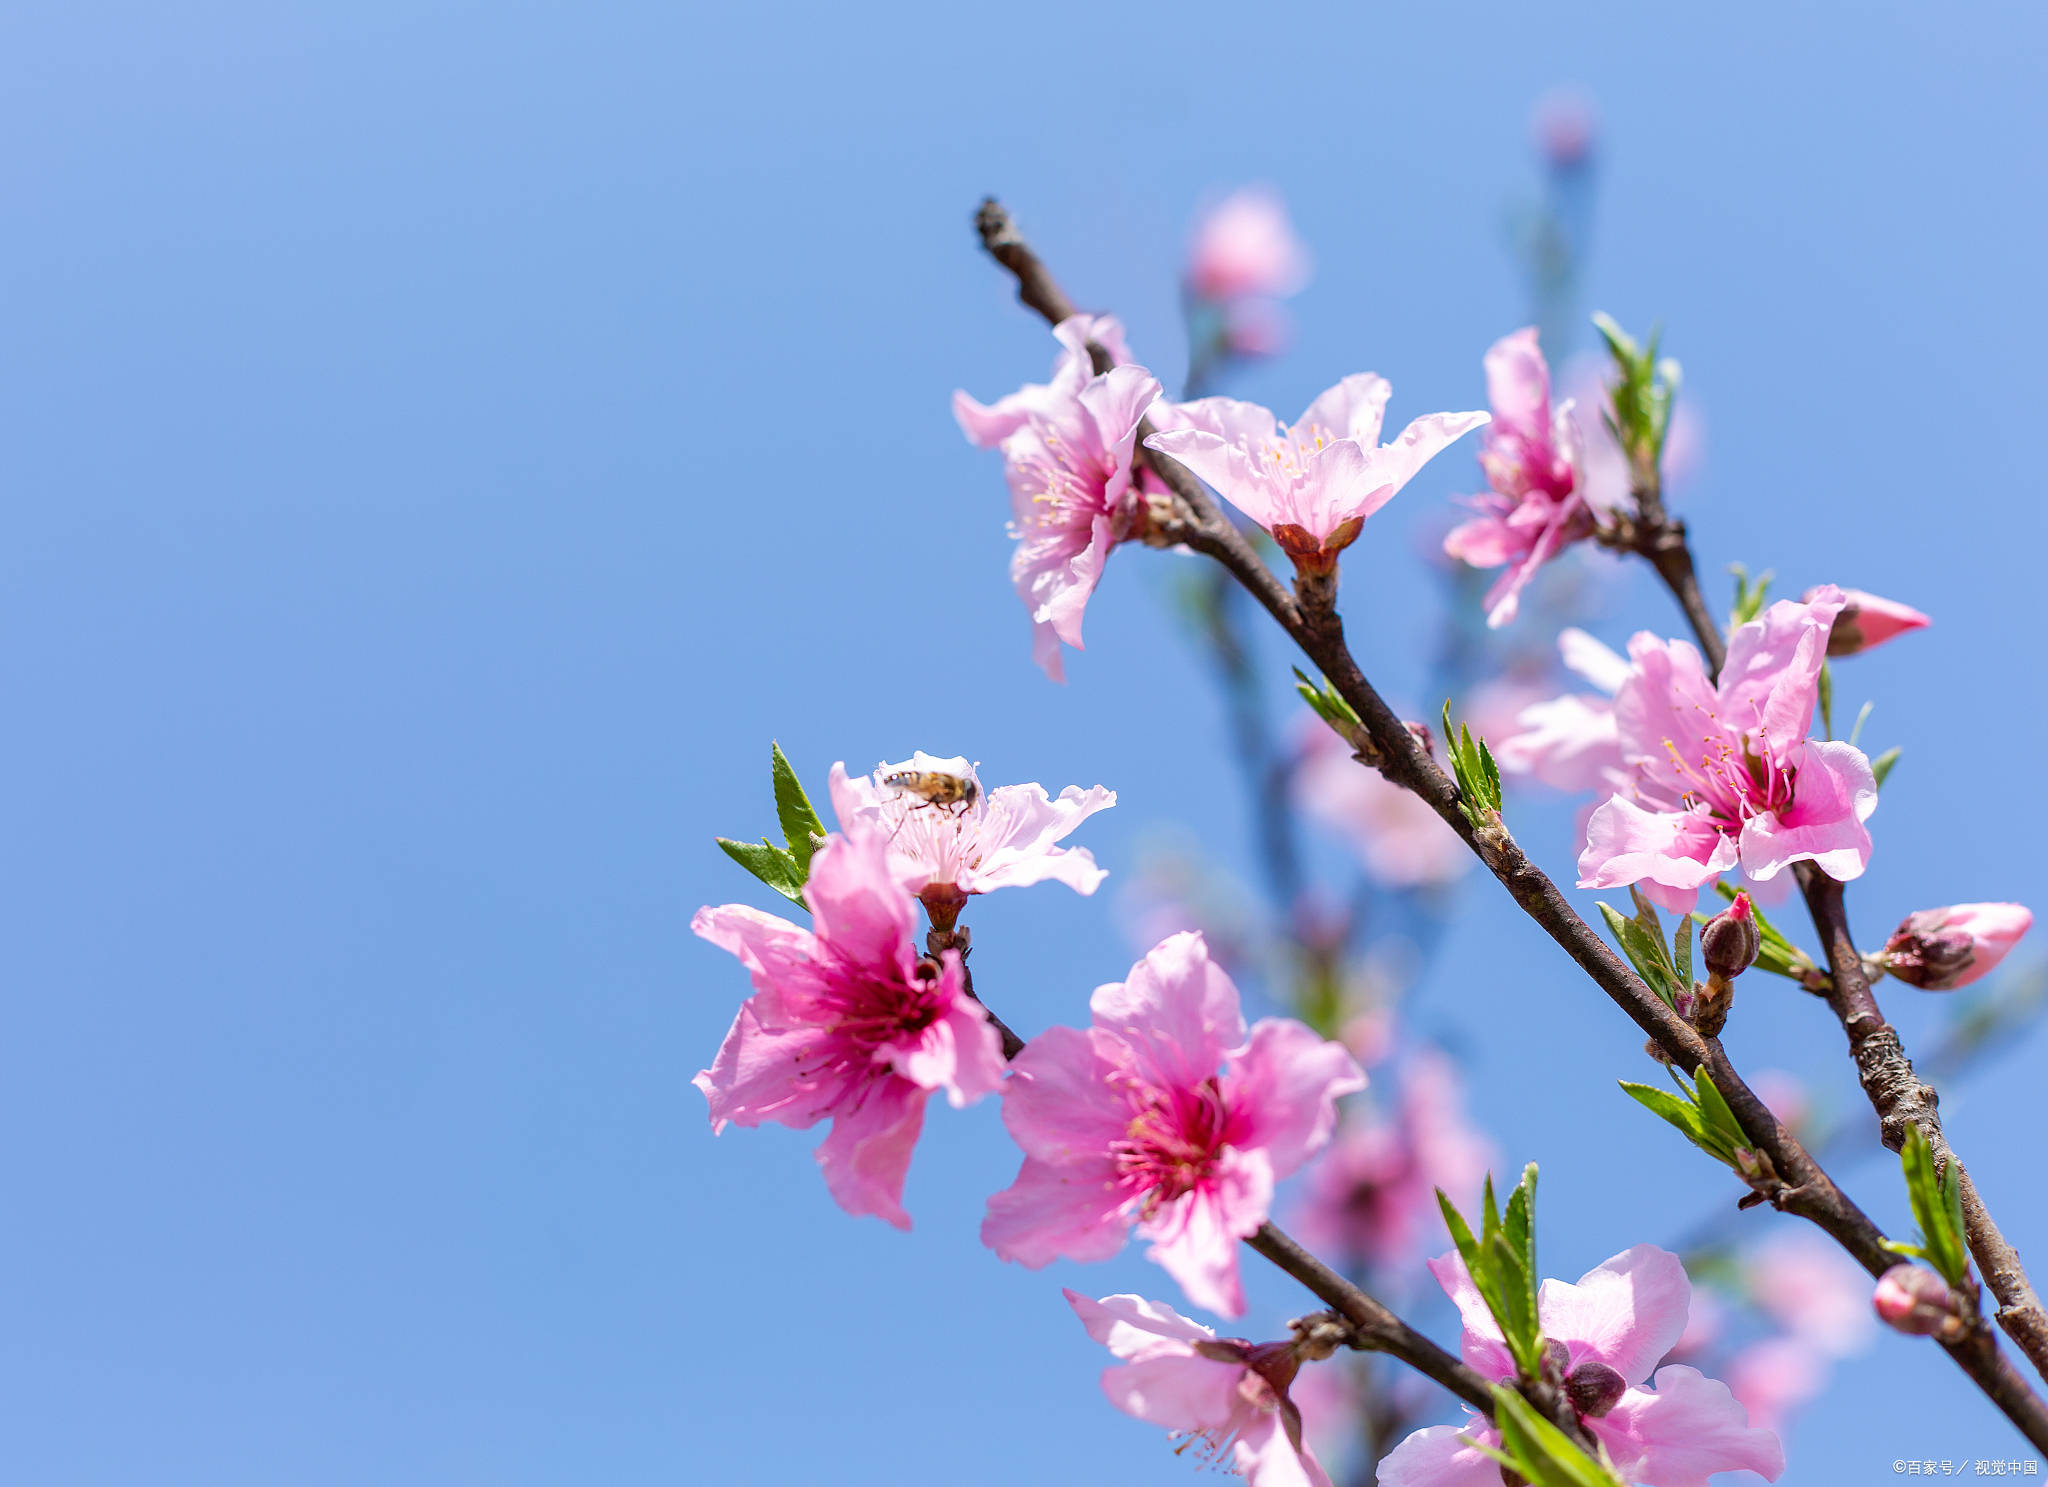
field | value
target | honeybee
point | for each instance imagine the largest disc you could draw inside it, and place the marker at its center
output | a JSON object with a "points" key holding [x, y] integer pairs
{"points": [[946, 792]]}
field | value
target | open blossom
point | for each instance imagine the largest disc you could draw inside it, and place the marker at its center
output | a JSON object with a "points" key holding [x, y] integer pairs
{"points": [[1002, 838], [1403, 842], [1312, 484], [1811, 1289], [1724, 775], [1244, 245], [1941, 949], [1067, 449], [1167, 1115], [1372, 1197], [1776, 1377], [847, 1023], [1534, 508], [988, 424], [1571, 742], [1228, 1397], [1866, 621], [1610, 1330]]}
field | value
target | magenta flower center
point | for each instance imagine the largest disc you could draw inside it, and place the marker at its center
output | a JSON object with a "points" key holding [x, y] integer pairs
{"points": [[1726, 777], [1170, 1147]]}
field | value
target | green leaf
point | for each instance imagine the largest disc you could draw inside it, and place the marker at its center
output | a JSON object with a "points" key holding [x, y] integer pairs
{"points": [[1937, 1208], [1645, 951], [1827, 701], [1881, 766], [1461, 1236], [1680, 1112], [800, 823], [771, 864], [1540, 1453], [1721, 1126], [1862, 717], [1512, 1300], [1681, 951], [1330, 707]]}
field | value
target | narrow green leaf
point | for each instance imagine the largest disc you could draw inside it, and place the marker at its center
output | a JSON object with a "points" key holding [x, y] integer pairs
{"points": [[1492, 775], [1862, 717], [1681, 1113], [1827, 700], [1718, 1120], [1461, 1236], [771, 864], [1544, 1456], [793, 811], [1681, 952], [1881, 766], [1513, 1303]]}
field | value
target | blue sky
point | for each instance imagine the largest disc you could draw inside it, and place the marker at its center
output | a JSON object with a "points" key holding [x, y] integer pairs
{"points": [[446, 442]]}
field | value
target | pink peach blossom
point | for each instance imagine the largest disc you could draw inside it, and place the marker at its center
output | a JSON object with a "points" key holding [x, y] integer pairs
{"points": [[846, 1023], [1006, 837], [1941, 949], [1165, 1114], [1571, 742], [1227, 1397], [988, 424], [1813, 1290], [1313, 484], [1724, 775], [1866, 622], [1533, 509], [1401, 840], [1245, 245], [1774, 1378], [1067, 448], [1613, 1327], [1372, 1196]]}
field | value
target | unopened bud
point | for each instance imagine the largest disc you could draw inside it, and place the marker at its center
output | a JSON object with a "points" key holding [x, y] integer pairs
{"points": [[1914, 1300], [1594, 1388], [1867, 620], [1730, 941], [1556, 1359], [1941, 949]]}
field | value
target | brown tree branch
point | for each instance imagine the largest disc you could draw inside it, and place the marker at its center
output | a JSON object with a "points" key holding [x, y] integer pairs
{"points": [[1795, 1182]]}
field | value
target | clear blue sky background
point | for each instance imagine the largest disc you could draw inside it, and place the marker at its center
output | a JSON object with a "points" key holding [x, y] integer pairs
{"points": [[443, 443]]}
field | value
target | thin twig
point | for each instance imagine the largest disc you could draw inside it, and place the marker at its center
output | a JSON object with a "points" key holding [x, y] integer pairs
{"points": [[1797, 1183]]}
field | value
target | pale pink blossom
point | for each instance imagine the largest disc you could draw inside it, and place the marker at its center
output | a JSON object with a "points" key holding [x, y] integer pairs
{"points": [[1244, 245], [1724, 775], [1002, 838], [1772, 1379], [846, 1023], [1533, 509], [1866, 622], [1167, 1115], [1565, 127], [1372, 1196], [1312, 484], [1571, 742], [1067, 448], [988, 424], [1401, 840], [1941, 949], [1676, 1430], [1256, 327], [1813, 1290], [1226, 1397]]}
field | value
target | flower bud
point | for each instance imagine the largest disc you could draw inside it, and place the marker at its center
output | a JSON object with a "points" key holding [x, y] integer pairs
{"points": [[1914, 1300], [1941, 949], [1867, 621], [1731, 941], [1594, 1388]]}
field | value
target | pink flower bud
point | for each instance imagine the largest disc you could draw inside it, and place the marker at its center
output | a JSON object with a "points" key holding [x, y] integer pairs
{"points": [[1913, 1299], [1866, 621], [1565, 128], [1941, 949], [1731, 941], [1245, 245]]}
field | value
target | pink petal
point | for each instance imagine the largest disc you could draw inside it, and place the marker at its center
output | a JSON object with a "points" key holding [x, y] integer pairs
{"points": [[1177, 1012], [1688, 1429], [1772, 673], [867, 1155], [1052, 1212], [1059, 1106], [1626, 1312], [1422, 441], [1227, 467], [857, 905], [1020, 828], [1195, 1237], [1182, 1393], [1436, 1457], [1590, 659], [1518, 386], [1286, 1084], [1340, 481], [1569, 743], [1484, 541], [762, 1075], [1833, 795], [1265, 1457], [961, 1052], [773, 950], [1481, 1345], [1627, 844], [1350, 410], [1133, 1328]]}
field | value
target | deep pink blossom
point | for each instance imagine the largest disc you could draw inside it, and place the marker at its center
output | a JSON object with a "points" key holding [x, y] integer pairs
{"points": [[1866, 622], [1941, 949], [1534, 508], [1372, 1197], [1724, 775], [1006, 837], [1613, 1326], [1402, 841], [1067, 449], [1166, 1115], [846, 1023], [1228, 1398], [1244, 245], [1312, 484]]}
